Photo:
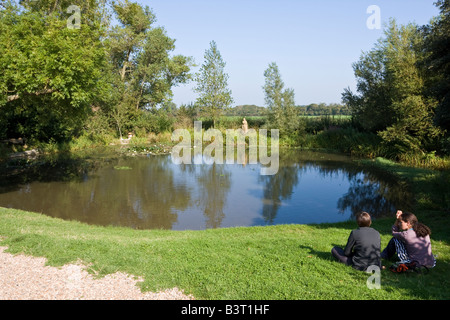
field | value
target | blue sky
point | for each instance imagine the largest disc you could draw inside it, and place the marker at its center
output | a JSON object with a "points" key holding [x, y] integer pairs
{"points": [[313, 42]]}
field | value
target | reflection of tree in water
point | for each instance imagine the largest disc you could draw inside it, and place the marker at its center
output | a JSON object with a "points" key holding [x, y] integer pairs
{"points": [[279, 187], [379, 197], [370, 190], [59, 167], [214, 183], [151, 194], [145, 196]]}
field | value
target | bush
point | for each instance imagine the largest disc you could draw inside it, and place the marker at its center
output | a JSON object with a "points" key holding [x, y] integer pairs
{"points": [[348, 140], [146, 122]]}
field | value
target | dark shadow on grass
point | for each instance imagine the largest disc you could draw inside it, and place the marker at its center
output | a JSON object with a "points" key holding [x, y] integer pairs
{"points": [[320, 254]]}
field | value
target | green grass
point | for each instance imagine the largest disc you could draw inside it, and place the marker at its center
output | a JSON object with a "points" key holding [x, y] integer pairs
{"points": [[275, 262]]}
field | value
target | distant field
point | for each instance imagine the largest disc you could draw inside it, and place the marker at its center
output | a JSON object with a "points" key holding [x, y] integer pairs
{"points": [[338, 116], [313, 122]]}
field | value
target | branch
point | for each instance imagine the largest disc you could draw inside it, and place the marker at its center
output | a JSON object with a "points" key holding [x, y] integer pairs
{"points": [[38, 93]]}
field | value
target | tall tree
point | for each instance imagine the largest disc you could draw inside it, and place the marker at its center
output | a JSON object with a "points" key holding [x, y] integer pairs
{"points": [[212, 85], [437, 65], [283, 114], [392, 100], [51, 74], [370, 109], [413, 129], [143, 71]]}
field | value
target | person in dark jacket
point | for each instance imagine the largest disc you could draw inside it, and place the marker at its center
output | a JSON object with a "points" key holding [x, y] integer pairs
{"points": [[363, 245]]}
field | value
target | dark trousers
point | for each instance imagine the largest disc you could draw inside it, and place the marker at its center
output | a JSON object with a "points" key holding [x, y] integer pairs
{"points": [[338, 253], [389, 251]]}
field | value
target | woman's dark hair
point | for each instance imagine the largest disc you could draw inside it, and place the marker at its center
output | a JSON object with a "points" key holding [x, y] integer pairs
{"points": [[420, 229], [363, 219]]}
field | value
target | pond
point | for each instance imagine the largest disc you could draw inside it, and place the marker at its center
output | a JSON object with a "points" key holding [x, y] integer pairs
{"points": [[151, 192]]}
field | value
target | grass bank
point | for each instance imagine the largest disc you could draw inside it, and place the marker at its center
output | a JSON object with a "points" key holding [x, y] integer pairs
{"points": [[275, 262]]}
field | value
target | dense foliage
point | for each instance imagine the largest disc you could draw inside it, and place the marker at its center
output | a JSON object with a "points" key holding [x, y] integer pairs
{"points": [[101, 69], [61, 79], [403, 87], [51, 74], [437, 67]]}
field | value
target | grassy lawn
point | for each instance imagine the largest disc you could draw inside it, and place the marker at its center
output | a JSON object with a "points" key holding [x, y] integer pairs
{"points": [[275, 262]]}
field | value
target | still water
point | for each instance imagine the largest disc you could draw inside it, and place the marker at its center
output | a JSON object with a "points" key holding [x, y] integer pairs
{"points": [[151, 192]]}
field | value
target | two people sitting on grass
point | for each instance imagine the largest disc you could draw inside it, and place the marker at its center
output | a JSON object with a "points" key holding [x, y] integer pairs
{"points": [[410, 242]]}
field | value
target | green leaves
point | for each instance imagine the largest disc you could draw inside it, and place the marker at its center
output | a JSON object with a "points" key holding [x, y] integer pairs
{"points": [[142, 71], [391, 98], [212, 84], [283, 115], [53, 76], [50, 72], [437, 65], [133, 16]]}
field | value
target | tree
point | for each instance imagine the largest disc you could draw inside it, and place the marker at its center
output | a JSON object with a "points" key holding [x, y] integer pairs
{"points": [[283, 114], [51, 74], [391, 100], [212, 85], [370, 109], [437, 65], [413, 128], [142, 70]]}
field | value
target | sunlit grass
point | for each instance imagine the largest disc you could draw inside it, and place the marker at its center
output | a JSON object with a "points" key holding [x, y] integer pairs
{"points": [[275, 262]]}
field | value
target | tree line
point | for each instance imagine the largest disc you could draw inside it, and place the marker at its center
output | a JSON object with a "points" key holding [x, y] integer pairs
{"points": [[115, 72], [403, 90], [322, 109]]}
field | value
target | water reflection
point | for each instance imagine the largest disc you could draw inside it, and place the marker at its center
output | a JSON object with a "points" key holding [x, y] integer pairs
{"points": [[315, 183], [153, 192]]}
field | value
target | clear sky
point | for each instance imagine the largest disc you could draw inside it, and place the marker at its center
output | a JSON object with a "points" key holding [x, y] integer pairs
{"points": [[313, 42]]}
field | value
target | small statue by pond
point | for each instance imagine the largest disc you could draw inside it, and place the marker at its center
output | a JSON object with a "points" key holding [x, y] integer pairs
{"points": [[127, 141], [244, 126]]}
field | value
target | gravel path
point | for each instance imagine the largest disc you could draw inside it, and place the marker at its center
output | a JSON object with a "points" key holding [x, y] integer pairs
{"points": [[28, 278]]}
